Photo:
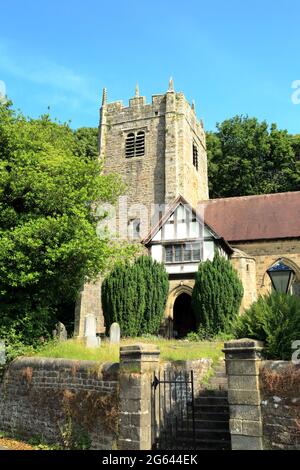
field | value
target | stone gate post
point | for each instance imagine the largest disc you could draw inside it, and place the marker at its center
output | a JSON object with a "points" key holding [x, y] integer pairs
{"points": [[242, 365], [137, 364]]}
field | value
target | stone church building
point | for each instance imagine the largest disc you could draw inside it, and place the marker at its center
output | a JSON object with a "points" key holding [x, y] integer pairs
{"points": [[159, 150]]}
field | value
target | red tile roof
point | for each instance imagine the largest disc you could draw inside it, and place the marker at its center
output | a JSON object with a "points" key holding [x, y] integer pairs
{"points": [[263, 217]]}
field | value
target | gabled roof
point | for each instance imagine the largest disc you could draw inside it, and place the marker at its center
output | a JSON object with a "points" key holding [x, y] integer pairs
{"points": [[170, 209], [265, 217]]}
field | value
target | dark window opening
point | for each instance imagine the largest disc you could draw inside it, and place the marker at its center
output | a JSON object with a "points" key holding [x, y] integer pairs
{"points": [[134, 228], [129, 145], [140, 144], [195, 157], [135, 144]]}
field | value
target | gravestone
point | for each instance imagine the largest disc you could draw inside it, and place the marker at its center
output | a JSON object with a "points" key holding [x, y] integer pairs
{"points": [[2, 353], [90, 328], [60, 332], [114, 333]]}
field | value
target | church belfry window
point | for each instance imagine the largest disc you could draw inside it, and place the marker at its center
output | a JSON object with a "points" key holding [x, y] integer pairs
{"points": [[195, 156], [135, 144], [129, 145], [140, 144]]}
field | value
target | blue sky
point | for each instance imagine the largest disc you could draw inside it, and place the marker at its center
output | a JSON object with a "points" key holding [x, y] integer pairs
{"points": [[233, 57]]}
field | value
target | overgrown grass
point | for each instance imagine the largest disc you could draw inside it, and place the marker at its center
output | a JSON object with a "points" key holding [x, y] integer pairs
{"points": [[170, 350], [73, 349]]}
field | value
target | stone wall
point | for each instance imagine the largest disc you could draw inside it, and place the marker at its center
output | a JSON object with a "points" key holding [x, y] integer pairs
{"points": [[109, 406], [140, 423], [246, 268], [266, 253], [37, 397], [280, 404], [264, 399]]}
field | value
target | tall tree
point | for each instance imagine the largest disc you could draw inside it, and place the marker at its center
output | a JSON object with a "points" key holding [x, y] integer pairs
{"points": [[48, 241], [295, 143], [248, 157], [86, 142]]}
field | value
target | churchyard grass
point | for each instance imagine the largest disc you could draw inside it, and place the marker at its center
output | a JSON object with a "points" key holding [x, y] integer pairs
{"points": [[170, 350]]}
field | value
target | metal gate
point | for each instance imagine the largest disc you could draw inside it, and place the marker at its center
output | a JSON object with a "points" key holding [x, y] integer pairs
{"points": [[173, 411]]}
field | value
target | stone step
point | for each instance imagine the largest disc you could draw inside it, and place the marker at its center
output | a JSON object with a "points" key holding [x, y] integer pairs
{"points": [[220, 366], [207, 392], [211, 400], [212, 416], [215, 378], [215, 408], [221, 369], [221, 423], [220, 375], [203, 444], [212, 424], [210, 434], [219, 386]]}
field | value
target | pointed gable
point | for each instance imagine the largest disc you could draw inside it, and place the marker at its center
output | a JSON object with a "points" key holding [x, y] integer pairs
{"points": [[181, 222]]}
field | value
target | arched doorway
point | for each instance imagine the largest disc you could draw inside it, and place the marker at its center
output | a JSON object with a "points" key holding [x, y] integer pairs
{"points": [[184, 320]]}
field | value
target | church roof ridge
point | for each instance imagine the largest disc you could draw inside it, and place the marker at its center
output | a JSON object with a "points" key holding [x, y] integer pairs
{"points": [[250, 196]]}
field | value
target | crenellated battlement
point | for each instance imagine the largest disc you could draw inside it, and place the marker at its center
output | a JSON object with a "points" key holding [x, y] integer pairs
{"points": [[158, 148], [138, 108]]}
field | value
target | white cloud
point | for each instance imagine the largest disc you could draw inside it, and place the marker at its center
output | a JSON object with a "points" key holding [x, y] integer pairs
{"points": [[42, 71]]}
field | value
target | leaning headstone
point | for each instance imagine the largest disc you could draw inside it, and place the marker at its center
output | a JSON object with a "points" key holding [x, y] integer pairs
{"points": [[91, 339], [2, 353], [60, 332], [114, 333]]}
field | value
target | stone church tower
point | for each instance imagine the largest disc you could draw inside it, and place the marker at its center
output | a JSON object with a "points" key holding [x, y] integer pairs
{"points": [[159, 150]]}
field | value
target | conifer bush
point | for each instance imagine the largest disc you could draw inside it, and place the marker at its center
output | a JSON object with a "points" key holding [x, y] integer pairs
{"points": [[135, 296], [217, 296], [274, 319]]}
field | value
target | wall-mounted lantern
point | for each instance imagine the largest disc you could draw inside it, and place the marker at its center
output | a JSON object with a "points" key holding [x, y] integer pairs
{"points": [[281, 277]]}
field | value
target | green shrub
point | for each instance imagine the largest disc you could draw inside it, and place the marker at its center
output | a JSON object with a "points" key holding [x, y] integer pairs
{"points": [[156, 282], [274, 319], [216, 297], [135, 295], [202, 335], [26, 332], [123, 293], [193, 336]]}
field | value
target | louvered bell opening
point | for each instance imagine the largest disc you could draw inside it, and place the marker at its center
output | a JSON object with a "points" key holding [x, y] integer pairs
{"points": [[140, 144], [129, 146]]}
